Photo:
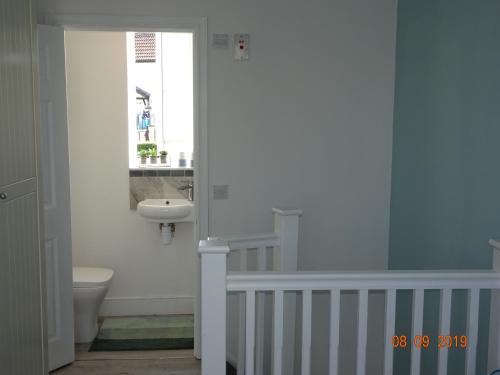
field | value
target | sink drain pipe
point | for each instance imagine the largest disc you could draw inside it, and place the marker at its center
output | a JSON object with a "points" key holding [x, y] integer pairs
{"points": [[167, 233]]}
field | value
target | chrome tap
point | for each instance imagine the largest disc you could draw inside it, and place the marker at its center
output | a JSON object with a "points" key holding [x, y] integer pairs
{"points": [[189, 188]]}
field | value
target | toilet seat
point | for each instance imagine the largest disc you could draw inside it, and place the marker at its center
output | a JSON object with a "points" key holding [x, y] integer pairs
{"points": [[89, 277]]}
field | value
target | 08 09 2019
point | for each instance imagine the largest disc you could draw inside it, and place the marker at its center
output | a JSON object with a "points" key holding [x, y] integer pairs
{"points": [[426, 341]]}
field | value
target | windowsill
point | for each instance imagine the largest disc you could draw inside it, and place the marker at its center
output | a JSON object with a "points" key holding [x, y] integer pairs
{"points": [[160, 167], [159, 171]]}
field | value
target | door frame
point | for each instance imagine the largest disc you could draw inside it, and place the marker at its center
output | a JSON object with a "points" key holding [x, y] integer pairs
{"points": [[197, 26]]}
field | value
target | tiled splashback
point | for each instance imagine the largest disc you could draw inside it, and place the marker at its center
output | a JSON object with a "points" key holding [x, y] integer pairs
{"points": [[157, 183]]}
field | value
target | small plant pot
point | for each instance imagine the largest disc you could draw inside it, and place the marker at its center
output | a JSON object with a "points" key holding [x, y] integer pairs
{"points": [[153, 159], [144, 159], [163, 159]]}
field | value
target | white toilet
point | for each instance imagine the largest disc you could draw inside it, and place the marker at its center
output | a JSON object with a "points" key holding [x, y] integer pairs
{"points": [[90, 286]]}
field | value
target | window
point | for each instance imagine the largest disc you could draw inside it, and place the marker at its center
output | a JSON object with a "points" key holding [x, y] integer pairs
{"points": [[160, 91]]}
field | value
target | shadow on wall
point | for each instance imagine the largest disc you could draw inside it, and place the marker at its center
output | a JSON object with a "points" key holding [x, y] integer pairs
{"points": [[445, 184]]}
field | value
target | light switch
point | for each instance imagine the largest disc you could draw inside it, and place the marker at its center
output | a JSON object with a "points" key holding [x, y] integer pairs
{"points": [[221, 191], [241, 46], [220, 41]]}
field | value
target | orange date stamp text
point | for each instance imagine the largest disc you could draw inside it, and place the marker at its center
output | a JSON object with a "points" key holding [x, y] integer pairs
{"points": [[424, 341]]}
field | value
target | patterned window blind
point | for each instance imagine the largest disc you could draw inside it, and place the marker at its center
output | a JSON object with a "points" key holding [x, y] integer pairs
{"points": [[145, 47]]}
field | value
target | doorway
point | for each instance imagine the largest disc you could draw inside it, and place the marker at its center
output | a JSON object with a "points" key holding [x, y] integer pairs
{"points": [[197, 28]]}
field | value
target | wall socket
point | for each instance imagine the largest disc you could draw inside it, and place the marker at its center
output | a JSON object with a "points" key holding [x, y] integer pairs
{"points": [[221, 191]]}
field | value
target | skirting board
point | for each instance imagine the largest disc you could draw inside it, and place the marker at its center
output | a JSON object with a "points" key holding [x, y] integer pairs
{"points": [[127, 306]]}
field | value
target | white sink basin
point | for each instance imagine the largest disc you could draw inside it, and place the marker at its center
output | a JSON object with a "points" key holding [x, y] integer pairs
{"points": [[166, 210]]}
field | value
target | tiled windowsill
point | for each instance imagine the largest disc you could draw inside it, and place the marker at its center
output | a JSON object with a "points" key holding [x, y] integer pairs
{"points": [[158, 166], [160, 172]]}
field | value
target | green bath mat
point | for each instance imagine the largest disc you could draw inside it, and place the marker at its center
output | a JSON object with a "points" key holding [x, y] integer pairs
{"points": [[145, 333]]}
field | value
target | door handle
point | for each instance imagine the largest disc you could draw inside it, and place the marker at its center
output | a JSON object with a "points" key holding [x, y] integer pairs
{"points": [[3, 196]]}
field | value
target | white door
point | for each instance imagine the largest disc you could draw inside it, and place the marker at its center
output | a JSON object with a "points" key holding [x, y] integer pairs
{"points": [[22, 348], [55, 176]]}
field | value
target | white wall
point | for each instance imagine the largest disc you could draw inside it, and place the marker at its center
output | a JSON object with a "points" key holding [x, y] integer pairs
{"points": [[149, 277], [306, 122]]}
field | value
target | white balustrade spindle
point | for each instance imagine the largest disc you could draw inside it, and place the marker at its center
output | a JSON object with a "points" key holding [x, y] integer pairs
{"points": [[417, 325], [250, 333], [390, 323], [444, 329], [362, 332], [278, 333], [334, 331], [306, 331], [472, 331], [261, 298]]}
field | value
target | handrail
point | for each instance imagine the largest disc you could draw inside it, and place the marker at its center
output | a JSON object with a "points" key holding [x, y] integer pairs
{"points": [[348, 280], [237, 242]]}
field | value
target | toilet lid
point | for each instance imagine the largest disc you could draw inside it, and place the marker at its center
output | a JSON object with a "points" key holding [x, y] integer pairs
{"points": [[88, 277]]}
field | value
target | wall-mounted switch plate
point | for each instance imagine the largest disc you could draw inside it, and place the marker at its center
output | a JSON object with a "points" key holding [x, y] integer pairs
{"points": [[221, 191], [241, 47], [220, 41]]}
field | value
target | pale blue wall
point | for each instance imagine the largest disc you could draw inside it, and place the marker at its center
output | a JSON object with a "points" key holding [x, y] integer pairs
{"points": [[445, 199]]}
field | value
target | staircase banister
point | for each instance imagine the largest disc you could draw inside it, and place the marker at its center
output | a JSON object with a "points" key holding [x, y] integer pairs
{"points": [[352, 280], [249, 241]]}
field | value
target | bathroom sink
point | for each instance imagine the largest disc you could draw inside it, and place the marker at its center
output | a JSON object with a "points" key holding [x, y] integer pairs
{"points": [[166, 210]]}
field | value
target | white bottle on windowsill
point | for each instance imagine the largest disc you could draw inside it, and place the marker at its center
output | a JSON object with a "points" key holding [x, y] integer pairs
{"points": [[182, 160]]}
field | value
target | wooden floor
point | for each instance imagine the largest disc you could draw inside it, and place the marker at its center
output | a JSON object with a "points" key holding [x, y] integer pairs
{"points": [[153, 362]]}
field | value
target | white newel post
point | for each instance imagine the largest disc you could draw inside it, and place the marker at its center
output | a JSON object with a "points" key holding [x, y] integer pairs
{"points": [[213, 306], [494, 331], [286, 226]]}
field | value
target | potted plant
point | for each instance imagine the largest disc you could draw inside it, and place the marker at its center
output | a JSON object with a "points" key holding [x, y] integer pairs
{"points": [[163, 157], [153, 155], [143, 154]]}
